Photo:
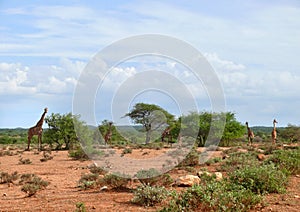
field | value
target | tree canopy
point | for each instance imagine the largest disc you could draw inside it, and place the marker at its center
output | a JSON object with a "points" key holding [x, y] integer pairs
{"points": [[151, 116]]}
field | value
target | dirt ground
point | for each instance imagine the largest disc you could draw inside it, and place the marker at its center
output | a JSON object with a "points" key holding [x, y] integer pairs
{"points": [[62, 193]]}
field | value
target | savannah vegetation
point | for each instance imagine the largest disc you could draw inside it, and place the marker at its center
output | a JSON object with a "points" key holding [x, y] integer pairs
{"points": [[247, 180]]}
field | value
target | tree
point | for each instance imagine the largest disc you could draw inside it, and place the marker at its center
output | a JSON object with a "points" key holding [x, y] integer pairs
{"points": [[61, 130], [291, 133], [116, 136], [151, 116], [200, 125], [233, 128]]}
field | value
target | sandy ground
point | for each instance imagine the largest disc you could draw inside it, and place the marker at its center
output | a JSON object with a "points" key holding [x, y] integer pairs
{"points": [[62, 193]]}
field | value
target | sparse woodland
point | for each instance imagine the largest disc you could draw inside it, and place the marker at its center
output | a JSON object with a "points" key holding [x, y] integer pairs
{"points": [[237, 177]]}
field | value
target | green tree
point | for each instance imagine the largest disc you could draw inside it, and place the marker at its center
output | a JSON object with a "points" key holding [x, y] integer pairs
{"points": [[291, 133], [233, 129], [151, 116], [61, 130], [200, 125], [116, 136]]}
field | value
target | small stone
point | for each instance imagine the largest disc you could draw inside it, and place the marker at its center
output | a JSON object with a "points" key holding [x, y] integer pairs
{"points": [[103, 188], [296, 196], [219, 176], [4, 194], [188, 180], [260, 151], [261, 157]]}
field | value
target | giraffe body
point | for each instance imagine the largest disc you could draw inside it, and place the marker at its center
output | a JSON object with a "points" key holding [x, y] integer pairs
{"points": [[166, 133], [108, 135], [250, 134], [37, 130], [274, 133]]}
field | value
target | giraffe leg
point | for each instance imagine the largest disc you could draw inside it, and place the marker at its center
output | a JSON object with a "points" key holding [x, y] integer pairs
{"points": [[39, 142], [29, 140]]}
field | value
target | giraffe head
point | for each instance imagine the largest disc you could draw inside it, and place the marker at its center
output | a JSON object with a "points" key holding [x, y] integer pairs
{"points": [[46, 110]]}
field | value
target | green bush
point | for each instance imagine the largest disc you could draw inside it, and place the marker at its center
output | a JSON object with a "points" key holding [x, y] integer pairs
{"points": [[238, 160], [88, 181], [147, 195], [127, 151], [192, 159], [97, 170], [214, 195], [115, 181], [8, 178], [260, 179], [286, 160], [78, 153], [32, 184], [80, 207]]}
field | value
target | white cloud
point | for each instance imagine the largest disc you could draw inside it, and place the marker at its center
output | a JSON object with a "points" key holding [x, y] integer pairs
{"points": [[16, 78], [221, 64]]}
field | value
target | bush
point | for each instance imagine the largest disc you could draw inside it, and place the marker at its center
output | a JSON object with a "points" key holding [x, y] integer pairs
{"points": [[260, 179], [286, 160], [214, 195], [115, 181], [239, 160], [88, 181], [46, 156], [80, 207], [147, 195], [8, 178], [24, 161], [127, 151], [97, 170], [192, 159], [78, 153], [32, 184]]}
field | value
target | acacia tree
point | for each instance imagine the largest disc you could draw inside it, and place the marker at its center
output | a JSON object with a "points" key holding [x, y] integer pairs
{"points": [[199, 125], [103, 129], [61, 130], [151, 116]]}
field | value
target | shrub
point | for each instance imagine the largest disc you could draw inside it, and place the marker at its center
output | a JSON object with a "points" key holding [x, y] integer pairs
{"points": [[213, 160], [147, 195], [127, 151], [80, 207], [286, 160], [116, 181], [46, 156], [32, 184], [214, 196], [260, 179], [154, 177], [24, 161], [97, 170], [191, 159], [88, 181], [239, 160], [8, 178], [78, 153]]}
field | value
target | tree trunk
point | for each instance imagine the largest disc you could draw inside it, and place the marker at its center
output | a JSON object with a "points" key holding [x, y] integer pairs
{"points": [[148, 136]]}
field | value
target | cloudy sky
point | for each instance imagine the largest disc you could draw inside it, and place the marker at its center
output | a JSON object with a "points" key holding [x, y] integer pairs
{"points": [[253, 46]]}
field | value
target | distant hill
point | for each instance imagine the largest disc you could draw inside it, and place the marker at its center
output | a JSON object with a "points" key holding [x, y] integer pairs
{"points": [[265, 130]]}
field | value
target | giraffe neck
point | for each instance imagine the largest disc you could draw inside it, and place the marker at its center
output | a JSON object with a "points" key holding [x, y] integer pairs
{"points": [[41, 121]]}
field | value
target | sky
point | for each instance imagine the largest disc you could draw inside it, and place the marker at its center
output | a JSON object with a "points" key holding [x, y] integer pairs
{"points": [[252, 45]]}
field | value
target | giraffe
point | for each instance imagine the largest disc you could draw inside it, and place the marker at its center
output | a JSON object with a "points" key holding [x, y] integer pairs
{"points": [[166, 133], [107, 137], [250, 134], [274, 133], [37, 130]]}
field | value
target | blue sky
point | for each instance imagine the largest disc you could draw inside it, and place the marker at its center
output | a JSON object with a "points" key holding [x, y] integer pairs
{"points": [[254, 47]]}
